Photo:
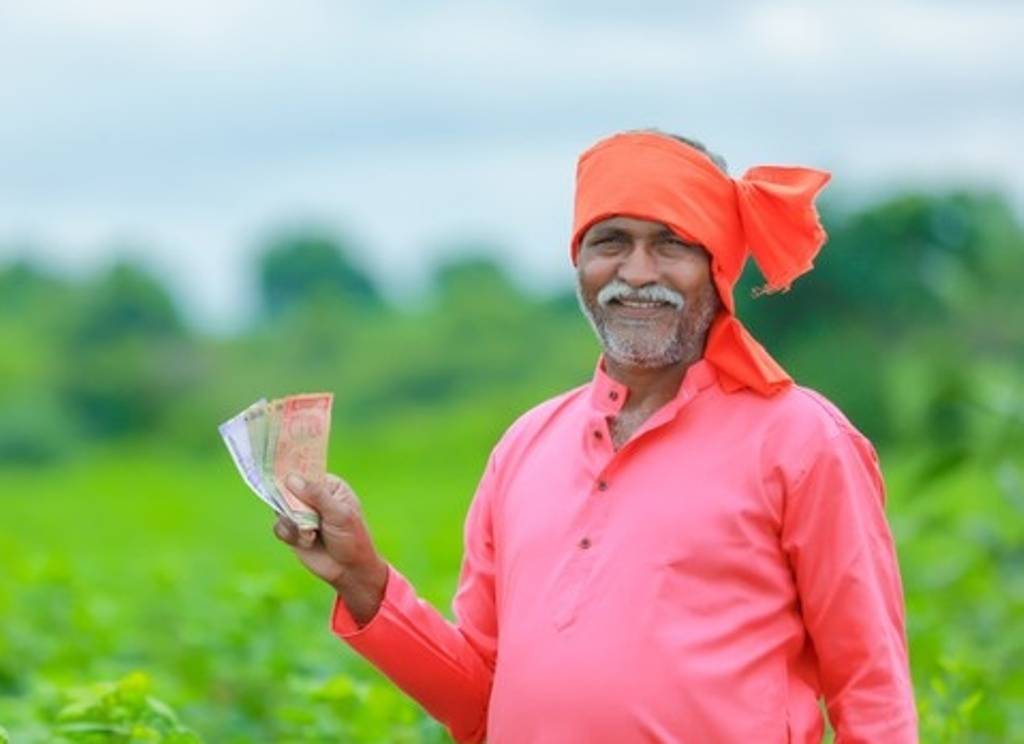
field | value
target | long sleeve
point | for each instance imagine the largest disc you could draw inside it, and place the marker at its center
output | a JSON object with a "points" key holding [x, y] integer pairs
{"points": [[845, 566], [447, 668]]}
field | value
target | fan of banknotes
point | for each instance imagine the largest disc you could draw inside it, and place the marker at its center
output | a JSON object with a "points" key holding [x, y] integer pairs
{"points": [[269, 440]]}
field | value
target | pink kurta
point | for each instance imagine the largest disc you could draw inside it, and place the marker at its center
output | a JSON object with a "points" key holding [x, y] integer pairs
{"points": [[704, 583]]}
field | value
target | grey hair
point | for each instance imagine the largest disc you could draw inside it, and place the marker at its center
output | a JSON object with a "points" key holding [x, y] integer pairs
{"points": [[715, 158]]}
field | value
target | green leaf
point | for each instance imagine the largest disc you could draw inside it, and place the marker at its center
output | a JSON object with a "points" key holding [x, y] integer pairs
{"points": [[162, 710], [965, 708]]}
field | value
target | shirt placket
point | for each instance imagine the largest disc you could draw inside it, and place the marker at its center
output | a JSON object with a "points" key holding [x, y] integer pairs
{"points": [[589, 526], [587, 540], [603, 462]]}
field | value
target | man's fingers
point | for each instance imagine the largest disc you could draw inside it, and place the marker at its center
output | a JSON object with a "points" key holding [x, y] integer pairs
{"points": [[332, 495], [286, 531], [340, 490], [312, 494]]}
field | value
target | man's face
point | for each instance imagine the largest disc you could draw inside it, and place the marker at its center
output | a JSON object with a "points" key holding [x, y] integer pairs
{"points": [[646, 291]]}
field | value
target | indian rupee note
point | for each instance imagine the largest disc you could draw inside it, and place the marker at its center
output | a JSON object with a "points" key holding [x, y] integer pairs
{"points": [[235, 433], [303, 425], [272, 429], [257, 424]]}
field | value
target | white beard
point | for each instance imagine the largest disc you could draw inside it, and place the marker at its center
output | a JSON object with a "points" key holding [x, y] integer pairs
{"points": [[637, 346]]}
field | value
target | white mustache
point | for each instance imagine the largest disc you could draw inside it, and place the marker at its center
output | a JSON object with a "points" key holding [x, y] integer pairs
{"points": [[617, 289]]}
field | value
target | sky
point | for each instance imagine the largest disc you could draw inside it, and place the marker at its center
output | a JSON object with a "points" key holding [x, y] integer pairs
{"points": [[182, 134]]}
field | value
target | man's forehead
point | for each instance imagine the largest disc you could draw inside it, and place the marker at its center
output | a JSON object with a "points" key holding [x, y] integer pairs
{"points": [[627, 224]]}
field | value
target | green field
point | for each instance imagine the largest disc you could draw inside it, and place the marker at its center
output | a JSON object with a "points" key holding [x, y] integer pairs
{"points": [[131, 562], [161, 572]]}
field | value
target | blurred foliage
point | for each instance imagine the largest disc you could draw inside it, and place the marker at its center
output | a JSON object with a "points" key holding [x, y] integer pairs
{"points": [[924, 281], [302, 266], [121, 711], [143, 597]]}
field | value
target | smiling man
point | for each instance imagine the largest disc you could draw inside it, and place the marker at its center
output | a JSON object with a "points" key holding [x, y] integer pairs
{"points": [[688, 548]]}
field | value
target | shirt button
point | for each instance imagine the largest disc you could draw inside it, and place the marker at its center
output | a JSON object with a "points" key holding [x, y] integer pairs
{"points": [[598, 434], [613, 395], [602, 485], [585, 543]]}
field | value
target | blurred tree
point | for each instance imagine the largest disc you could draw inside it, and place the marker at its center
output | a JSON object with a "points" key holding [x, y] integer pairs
{"points": [[34, 309], [127, 356], [301, 265], [461, 341], [473, 275], [482, 318], [125, 302], [935, 276], [23, 284], [897, 266]]}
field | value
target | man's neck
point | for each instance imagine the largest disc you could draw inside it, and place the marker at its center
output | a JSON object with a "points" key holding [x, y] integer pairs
{"points": [[649, 388]]}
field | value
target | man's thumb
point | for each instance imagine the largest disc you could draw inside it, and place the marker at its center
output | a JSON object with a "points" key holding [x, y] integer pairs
{"points": [[309, 493]]}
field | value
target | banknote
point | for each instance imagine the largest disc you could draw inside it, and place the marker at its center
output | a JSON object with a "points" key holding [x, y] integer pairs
{"points": [[235, 433], [302, 424], [270, 428], [271, 439], [257, 424]]}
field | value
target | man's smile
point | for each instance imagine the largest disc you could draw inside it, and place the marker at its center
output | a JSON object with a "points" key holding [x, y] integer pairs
{"points": [[640, 309]]}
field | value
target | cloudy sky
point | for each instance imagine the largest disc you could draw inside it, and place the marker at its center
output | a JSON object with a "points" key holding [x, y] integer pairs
{"points": [[180, 133]]}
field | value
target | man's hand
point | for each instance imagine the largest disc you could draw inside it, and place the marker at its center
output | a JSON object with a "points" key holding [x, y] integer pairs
{"points": [[341, 552]]}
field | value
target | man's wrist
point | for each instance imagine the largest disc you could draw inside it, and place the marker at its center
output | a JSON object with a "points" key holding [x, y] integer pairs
{"points": [[362, 591]]}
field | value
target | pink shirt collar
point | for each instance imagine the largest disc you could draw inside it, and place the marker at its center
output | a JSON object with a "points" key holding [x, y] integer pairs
{"points": [[608, 395]]}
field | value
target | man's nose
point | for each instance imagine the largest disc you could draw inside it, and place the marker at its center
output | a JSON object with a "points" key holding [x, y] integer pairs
{"points": [[639, 267]]}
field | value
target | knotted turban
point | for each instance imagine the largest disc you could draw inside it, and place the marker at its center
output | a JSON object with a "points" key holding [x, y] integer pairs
{"points": [[769, 213]]}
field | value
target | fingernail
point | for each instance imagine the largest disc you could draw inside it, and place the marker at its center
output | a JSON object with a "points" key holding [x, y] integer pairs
{"points": [[296, 482]]}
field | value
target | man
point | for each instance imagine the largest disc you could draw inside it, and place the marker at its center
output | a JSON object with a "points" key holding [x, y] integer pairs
{"points": [[688, 548]]}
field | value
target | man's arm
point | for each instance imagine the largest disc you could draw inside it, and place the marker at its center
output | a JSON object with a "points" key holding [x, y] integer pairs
{"points": [[447, 668], [844, 562]]}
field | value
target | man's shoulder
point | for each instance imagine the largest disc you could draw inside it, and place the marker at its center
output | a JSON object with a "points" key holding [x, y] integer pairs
{"points": [[529, 423], [541, 413], [805, 404], [802, 414], [805, 427]]}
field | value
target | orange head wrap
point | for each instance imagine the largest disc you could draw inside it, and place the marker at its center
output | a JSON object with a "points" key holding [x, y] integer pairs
{"points": [[769, 212]]}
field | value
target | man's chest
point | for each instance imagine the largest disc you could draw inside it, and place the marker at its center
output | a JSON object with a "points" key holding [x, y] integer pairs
{"points": [[662, 508]]}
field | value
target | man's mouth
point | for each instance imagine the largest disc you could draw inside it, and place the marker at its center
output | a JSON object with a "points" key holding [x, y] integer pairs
{"points": [[639, 303], [639, 308]]}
